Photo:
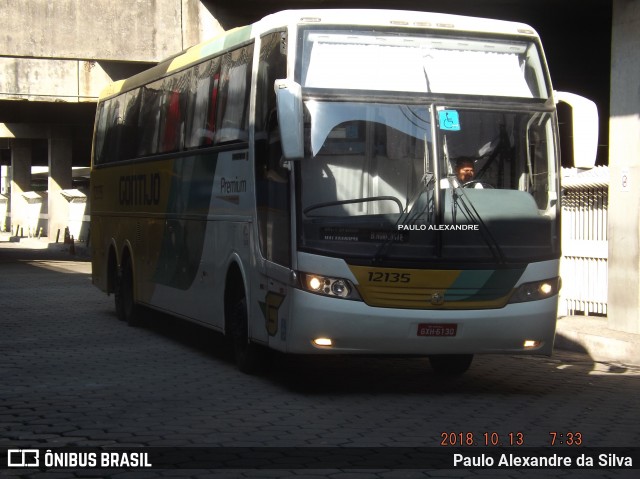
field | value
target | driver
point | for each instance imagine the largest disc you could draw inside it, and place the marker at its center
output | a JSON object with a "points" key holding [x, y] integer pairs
{"points": [[465, 170], [464, 173]]}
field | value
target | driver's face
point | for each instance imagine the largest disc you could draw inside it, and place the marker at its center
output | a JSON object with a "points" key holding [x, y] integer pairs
{"points": [[465, 173]]}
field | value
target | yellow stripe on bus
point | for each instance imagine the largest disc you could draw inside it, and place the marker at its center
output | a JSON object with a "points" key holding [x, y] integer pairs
{"points": [[426, 288]]}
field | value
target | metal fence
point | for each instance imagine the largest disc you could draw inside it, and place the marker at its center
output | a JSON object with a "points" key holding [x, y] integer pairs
{"points": [[583, 267]]}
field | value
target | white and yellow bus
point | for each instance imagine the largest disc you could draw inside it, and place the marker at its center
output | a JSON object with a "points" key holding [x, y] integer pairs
{"points": [[292, 184]]}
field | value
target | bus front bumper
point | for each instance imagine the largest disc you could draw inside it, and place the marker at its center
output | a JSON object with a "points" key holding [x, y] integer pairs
{"points": [[355, 328]]}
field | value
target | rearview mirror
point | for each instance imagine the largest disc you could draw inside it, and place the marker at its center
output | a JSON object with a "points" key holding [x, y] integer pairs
{"points": [[584, 114], [290, 119]]}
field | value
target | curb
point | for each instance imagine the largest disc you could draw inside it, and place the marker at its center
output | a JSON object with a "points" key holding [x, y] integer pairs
{"points": [[77, 249], [591, 335]]}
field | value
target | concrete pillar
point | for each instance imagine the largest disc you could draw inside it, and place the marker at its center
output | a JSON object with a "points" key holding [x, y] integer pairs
{"points": [[198, 24], [60, 178], [5, 188], [624, 165], [20, 182]]}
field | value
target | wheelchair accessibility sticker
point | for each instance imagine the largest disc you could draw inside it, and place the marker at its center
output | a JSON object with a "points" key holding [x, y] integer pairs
{"points": [[449, 120]]}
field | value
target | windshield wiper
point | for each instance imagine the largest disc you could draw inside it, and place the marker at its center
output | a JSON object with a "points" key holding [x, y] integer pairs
{"points": [[411, 219], [459, 199]]}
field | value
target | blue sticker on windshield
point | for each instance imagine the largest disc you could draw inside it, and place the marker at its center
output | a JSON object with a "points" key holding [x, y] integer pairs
{"points": [[449, 120]]}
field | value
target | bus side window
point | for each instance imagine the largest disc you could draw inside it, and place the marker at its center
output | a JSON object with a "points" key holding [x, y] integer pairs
{"points": [[175, 92], [213, 109], [99, 153], [115, 125], [202, 104], [149, 121], [233, 96], [171, 130], [272, 180], [116, 128], [129, 133]]}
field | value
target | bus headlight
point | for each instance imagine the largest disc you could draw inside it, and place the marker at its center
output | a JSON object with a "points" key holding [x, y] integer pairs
{"points": [[536, 290], [328, 286]]}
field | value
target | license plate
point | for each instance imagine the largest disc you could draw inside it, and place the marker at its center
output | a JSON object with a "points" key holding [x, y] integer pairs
{"points": [[442, 330]]}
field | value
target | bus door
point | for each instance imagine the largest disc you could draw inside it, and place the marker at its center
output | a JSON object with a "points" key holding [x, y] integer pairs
{"points": [[273, 202]]}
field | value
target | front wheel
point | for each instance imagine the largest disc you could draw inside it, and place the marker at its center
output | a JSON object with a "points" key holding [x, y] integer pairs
{"points": [[249, 357], [450, 364]]}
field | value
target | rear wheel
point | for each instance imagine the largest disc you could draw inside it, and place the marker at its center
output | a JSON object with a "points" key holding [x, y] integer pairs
{"points": [[450, 364], [117, 294], [126, 307]]}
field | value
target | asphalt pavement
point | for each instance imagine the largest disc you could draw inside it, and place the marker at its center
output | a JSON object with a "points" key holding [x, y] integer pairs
{"points": [[73, 376]]}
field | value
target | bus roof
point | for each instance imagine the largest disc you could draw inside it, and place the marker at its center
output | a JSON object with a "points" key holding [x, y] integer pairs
{"points": [[402, 18], [359, 17]]}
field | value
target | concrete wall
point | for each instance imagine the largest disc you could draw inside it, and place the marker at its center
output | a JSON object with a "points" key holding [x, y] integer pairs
{"points": [[65, 49], [125, 30], [41, 79], [624, 164]]}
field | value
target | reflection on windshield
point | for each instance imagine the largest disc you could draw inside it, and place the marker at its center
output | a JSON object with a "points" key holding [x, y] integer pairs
{"points": [[373, 153]]}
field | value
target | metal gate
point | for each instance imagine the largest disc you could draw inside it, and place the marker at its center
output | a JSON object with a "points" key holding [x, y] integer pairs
{"points": [[583, 267]]}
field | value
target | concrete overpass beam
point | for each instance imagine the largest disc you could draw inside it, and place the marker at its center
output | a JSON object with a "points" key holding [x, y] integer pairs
{"points": [[23, 131], [43, 79]]}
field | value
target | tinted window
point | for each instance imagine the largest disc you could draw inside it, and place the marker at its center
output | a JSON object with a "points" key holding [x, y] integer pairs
{"points": [[233, 100], [203, 104]]}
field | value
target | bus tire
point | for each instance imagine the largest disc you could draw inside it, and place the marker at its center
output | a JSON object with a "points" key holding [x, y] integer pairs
{"points": [[450, 364], [126, 307], [117, 294], [249, 357]]}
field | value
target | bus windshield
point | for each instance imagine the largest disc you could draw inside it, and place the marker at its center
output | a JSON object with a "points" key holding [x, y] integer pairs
{"points": [[376, 184], [439, 64]]}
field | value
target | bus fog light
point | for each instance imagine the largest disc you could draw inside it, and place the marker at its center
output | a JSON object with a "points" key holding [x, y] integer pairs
{"points": [[324, 342], [531, 343]]}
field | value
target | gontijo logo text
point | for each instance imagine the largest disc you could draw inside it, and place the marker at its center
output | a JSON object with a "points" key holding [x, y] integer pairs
{"points": [[139, 190]]}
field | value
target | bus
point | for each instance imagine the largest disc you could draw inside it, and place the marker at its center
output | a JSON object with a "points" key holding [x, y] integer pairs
{"points": [[293, 185]]}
